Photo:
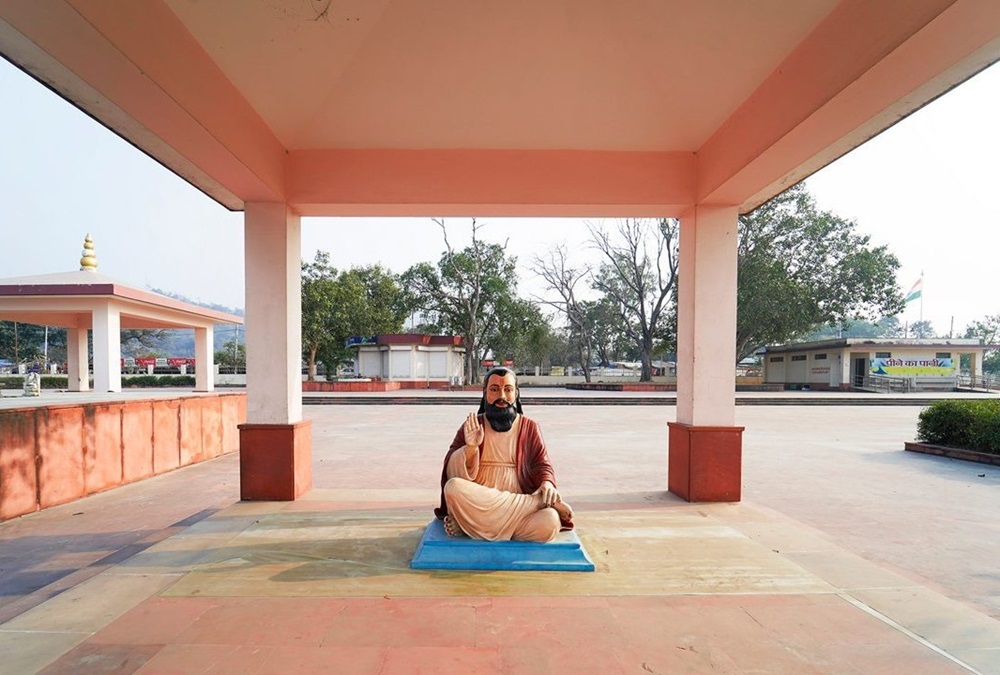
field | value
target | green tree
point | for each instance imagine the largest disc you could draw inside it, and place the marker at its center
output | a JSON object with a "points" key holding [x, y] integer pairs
{"points": [[539, 345], [521, 333], [336, 306], [800, 268], [367, 301], [638, 277], [319, 298], [21, 342], [232, 355], [886, 327], [469, 290], [922, 329], [607, 333], [135, 341]]}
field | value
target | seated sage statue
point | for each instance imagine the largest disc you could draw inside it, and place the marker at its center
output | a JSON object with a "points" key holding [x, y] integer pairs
{"points": [[497, 482]]}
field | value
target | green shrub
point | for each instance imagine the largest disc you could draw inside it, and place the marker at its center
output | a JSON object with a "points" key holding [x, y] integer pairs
{"points": [[61, 382], [47, 382], [972, 425], [158, 381], [54, 382]]}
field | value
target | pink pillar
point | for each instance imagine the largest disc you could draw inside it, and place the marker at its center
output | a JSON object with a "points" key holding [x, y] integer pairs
{"points": [[705, 446], [275, 444]]}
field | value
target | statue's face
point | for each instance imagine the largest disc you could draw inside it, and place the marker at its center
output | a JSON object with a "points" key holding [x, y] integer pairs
{"points": [[501, 390]]}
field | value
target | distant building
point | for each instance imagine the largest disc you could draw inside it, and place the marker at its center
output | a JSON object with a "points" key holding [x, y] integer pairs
{"points": [[410, 358], [874, 364]]}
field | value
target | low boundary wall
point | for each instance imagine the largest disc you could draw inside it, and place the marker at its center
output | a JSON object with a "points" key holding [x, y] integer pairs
{"points": [[55, 454], [375, 385]]}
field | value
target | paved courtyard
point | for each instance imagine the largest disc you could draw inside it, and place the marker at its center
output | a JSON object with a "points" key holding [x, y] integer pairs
{"points": [[846, 555]]}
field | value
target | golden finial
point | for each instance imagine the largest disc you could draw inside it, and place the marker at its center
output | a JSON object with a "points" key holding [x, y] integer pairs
{"points": [[89, 260]]}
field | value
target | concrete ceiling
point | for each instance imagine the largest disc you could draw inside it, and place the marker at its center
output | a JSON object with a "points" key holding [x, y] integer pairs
{"points": [[459, 107]]}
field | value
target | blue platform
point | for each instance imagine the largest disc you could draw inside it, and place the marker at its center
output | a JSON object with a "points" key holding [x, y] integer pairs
{"points": [[438, 551]]}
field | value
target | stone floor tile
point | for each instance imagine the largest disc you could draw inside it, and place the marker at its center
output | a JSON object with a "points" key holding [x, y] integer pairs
{"points": [[323, 661], [880, 659], [155, 621], [847, 571], [29, 652], [102, 659], [263, 621], [186, 659], [404, 622], [696, 654], [946, 623], [599, 658], [440, 660], [547, 627], [983, 660], [91, 605]]}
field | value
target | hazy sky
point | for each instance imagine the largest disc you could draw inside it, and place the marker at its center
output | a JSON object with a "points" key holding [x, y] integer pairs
{"points": [[926, 187]]}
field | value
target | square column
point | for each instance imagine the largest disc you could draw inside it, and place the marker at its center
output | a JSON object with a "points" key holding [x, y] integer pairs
{"points": [[204, 367], [107, 348], [77, 363], [274, 436], [705, 455]]}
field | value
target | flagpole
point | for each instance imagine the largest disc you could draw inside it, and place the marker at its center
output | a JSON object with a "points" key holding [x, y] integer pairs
{"points": [[921, 296]]}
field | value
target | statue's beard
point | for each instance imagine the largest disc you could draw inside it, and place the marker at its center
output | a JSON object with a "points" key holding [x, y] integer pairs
{"points": [[501, 418]]}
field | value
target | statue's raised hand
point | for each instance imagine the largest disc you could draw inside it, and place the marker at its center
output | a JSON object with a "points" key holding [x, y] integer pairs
{"points": [[474, 434]]}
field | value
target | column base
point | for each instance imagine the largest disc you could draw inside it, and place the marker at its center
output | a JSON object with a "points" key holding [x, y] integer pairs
{"points": [[275, 461], [705, 464]]}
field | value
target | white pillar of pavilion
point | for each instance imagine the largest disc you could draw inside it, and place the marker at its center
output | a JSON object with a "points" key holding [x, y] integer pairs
{"points": [[705, 447], [107, 325], [77, 363], [275, 443], [107, 348], [204, 379]]}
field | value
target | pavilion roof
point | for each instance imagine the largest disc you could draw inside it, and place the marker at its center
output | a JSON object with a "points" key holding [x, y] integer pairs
{"points": [[68, 298]]}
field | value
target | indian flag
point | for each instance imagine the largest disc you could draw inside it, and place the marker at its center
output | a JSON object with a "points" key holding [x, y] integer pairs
{"points": [[915, 291]]}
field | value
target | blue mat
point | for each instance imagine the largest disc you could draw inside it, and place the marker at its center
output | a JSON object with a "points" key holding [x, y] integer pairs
{"points": [[438, 551]]}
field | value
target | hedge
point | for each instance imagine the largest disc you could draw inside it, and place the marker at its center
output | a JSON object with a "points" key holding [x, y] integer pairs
{"points": [[62, 382], [970, 425], [47, 382], [158, 381]]}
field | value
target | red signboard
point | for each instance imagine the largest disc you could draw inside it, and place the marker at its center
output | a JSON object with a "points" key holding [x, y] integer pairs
{"points": [[488, 363], [509, 363]]}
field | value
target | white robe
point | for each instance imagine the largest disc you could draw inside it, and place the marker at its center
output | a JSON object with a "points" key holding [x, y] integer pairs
{"points": [[484, 498]]}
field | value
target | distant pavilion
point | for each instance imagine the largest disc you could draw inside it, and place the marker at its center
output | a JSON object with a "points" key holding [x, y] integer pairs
{"points": [[85, 301]]}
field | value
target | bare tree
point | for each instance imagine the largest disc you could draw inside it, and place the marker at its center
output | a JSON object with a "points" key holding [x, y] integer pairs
{"points": [[639, 276], [562, 279]]}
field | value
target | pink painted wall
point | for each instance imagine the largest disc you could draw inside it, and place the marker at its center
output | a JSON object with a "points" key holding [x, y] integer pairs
{"points": [[54, 454]]}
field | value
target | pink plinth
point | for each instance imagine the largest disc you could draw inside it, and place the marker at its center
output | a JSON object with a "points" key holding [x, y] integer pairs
{"points": [[275, 461], [705, 463]]}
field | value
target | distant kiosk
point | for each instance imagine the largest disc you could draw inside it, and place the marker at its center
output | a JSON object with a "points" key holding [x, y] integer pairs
{"points": [[873, 364], [414, 360]]}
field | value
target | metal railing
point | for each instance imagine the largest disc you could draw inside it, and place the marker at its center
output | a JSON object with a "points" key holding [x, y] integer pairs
{"points": [[985, 382], [883, 384]]}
